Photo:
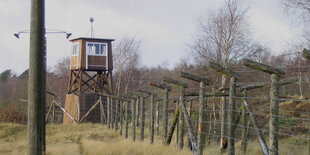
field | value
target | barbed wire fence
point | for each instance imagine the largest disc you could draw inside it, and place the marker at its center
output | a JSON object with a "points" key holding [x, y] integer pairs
{"points": [[256, 119]]}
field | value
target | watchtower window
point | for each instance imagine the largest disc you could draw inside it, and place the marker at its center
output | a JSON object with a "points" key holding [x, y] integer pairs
{"points": [[97, 49], [76, 49]]}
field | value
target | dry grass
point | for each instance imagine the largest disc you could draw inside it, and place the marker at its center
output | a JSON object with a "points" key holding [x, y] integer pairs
{"points": [[83, 139], [95, 139]]}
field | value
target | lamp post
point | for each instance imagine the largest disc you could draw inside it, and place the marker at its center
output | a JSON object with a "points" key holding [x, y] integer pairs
{"points": [[37, 78], [46, 31]]}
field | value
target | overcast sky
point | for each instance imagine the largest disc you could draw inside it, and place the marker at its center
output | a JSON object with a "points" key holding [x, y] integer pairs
{"points": [[163, 26]]}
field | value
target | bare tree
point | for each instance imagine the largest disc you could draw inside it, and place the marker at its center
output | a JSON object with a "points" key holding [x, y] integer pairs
{"points": [[301, 9], [126, 58], [223, 37]]}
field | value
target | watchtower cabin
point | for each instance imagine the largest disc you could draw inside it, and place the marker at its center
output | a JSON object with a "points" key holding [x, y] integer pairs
{"points": [[91, 65]]}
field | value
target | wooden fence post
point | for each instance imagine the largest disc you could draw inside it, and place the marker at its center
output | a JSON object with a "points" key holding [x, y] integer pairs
{"points": [[153, 118], [190, 108], [138, 104], [142, 117], [232, 105], [133, 119], [142, 96], [152, 113], [202, 118], [117, 107], [157, 118], [121, 117], [111, 112], [101, 110], [108, 111], [166, 88], [181, 117], [177, 125], [202, 108], [127, 119], [274, 101], [244, 138]]}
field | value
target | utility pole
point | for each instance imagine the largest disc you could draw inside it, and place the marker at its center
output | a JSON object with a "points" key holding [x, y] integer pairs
{"points": [[37, 79]]}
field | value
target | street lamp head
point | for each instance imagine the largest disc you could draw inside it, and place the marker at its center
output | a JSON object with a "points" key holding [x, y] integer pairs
{"points": [[68, 35], [16, 35]]}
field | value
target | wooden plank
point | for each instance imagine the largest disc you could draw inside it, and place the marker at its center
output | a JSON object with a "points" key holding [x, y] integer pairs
{"points": [[176, 82], [138, 94], [224, 70], [194, 77], [160, 85], [146, 92], [263, 67], [262, 84], [208, 94], [288, 81], [252, 86], [306, 53]]}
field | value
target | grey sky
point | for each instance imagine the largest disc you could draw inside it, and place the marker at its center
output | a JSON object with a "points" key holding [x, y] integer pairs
{"points": [[164, 26]]}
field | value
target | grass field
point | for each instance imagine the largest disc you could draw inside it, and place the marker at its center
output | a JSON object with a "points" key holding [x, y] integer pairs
{"points": [[95, 139]]}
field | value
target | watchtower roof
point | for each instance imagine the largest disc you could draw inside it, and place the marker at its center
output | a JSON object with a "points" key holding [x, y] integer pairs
{"points": [[98, 39]]}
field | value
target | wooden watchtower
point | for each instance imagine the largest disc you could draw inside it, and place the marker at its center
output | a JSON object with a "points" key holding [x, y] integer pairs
{"points": [[91, 66]]}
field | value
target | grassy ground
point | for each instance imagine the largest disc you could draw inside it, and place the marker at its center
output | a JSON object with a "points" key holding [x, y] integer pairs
{"points": [[97, 139], [81, 139]]}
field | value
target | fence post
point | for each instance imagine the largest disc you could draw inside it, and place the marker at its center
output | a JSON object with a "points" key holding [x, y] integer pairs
{"points": [[231, 115], [121, 118], [201, 118], [117, 114], [111, 112], [157, 118], [133, 119], [180, 129], [127, 119], [138, 112], [142, 117], [232, 105], [108, 111], [190, 107], [166, 88], [165, 113], [141, 96], [202, 108], [177, 125], [274, 102], [101, 111], [274, 112], [152, 118], [244, 123]]}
